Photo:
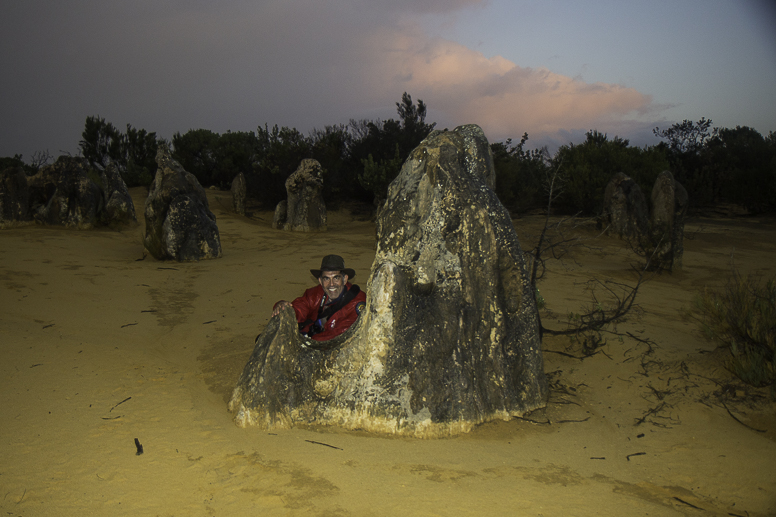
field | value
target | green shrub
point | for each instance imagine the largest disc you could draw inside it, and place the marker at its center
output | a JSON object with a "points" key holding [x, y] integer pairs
{"points": [[540, 302], [742, 318], [378, 175], [590, 166], [520, 175]]}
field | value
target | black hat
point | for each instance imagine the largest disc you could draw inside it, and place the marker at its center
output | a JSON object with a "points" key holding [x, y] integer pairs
{"points": [[333, 263]]}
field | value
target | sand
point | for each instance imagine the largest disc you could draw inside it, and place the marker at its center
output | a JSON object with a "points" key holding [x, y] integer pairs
{"points": [[101, 346]]}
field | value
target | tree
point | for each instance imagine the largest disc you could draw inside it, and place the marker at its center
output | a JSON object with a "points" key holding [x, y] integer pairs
{"points": [[591, 165], [413, 123], [236, 152], [139, 156], [383, 147], [39, 159], [378, 146], [8, 162], [720, 164], [101, 142], [215, 159], [195, 150], [519, 174], [134, 152], [278, 154], [742, 166], [377, 176], [687, 136], [330, 146], [685, 147]]}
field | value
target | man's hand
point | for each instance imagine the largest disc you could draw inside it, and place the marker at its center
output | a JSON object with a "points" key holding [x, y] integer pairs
{"points": [[280, 307]]}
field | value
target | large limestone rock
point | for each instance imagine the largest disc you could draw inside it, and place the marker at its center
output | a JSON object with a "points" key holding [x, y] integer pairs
{"points": [[305, 210], [179, 223], [625, 213], [450, 335], [659, 232], [281, 211], [14, 198], [119, 207], [62, 194], [669, 208], [239, 193]]}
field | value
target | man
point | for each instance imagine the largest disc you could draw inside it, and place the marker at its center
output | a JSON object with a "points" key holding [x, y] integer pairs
{"points": [[330, 308]]}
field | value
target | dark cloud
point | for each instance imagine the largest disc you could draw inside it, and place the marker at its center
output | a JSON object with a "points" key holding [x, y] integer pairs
{"points": [[235, 65]]}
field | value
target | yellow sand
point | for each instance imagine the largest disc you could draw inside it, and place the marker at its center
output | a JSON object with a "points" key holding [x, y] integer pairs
{"points": [[100, 347]]}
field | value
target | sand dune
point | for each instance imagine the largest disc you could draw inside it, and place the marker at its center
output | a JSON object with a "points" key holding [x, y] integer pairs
{"points": [[101, 346]]}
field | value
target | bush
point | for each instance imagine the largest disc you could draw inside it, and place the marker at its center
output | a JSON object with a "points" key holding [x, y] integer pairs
{"points": [[590, 166], [742, 318], [378, 175], [520, 175]]}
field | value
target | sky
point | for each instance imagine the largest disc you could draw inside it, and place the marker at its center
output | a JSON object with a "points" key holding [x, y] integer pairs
{"points": [[553, 69]]}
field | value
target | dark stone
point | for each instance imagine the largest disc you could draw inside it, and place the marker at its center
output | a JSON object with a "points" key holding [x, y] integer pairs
{"points": [[305, 209], [659, 233], [281, 212], [239, 193], [669, 208], [681, 204], [179, 223], [119, 207], [14, 198], [450, 335], [62, 194], [625, 211]]}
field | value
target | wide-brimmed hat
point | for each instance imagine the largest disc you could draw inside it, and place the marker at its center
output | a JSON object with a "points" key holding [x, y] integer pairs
{"points": [[333, 263]]}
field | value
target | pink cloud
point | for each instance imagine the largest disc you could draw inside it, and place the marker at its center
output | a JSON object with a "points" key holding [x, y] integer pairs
{"points": [[463, 86]]}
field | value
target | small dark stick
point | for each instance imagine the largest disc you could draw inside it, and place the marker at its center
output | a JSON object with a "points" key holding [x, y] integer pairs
{"points": [[321, 443], [692, 505], [120, 403], [139, 447]]}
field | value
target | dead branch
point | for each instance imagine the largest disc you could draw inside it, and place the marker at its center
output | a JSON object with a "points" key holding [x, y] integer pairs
{"points": [[740, 422], [651, 411]]}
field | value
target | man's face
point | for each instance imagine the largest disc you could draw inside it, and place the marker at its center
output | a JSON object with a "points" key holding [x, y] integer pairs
{"points": [[333, 283]]}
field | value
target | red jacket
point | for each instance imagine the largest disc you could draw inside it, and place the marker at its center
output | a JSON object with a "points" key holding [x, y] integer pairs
{"points": [[307, 305]]}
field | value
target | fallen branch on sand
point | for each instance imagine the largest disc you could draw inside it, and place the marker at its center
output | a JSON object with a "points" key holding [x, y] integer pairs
{"points": [[325, 444], [688, 504], [120, 403], [534, 421], [740, 422], [652, 411]]}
